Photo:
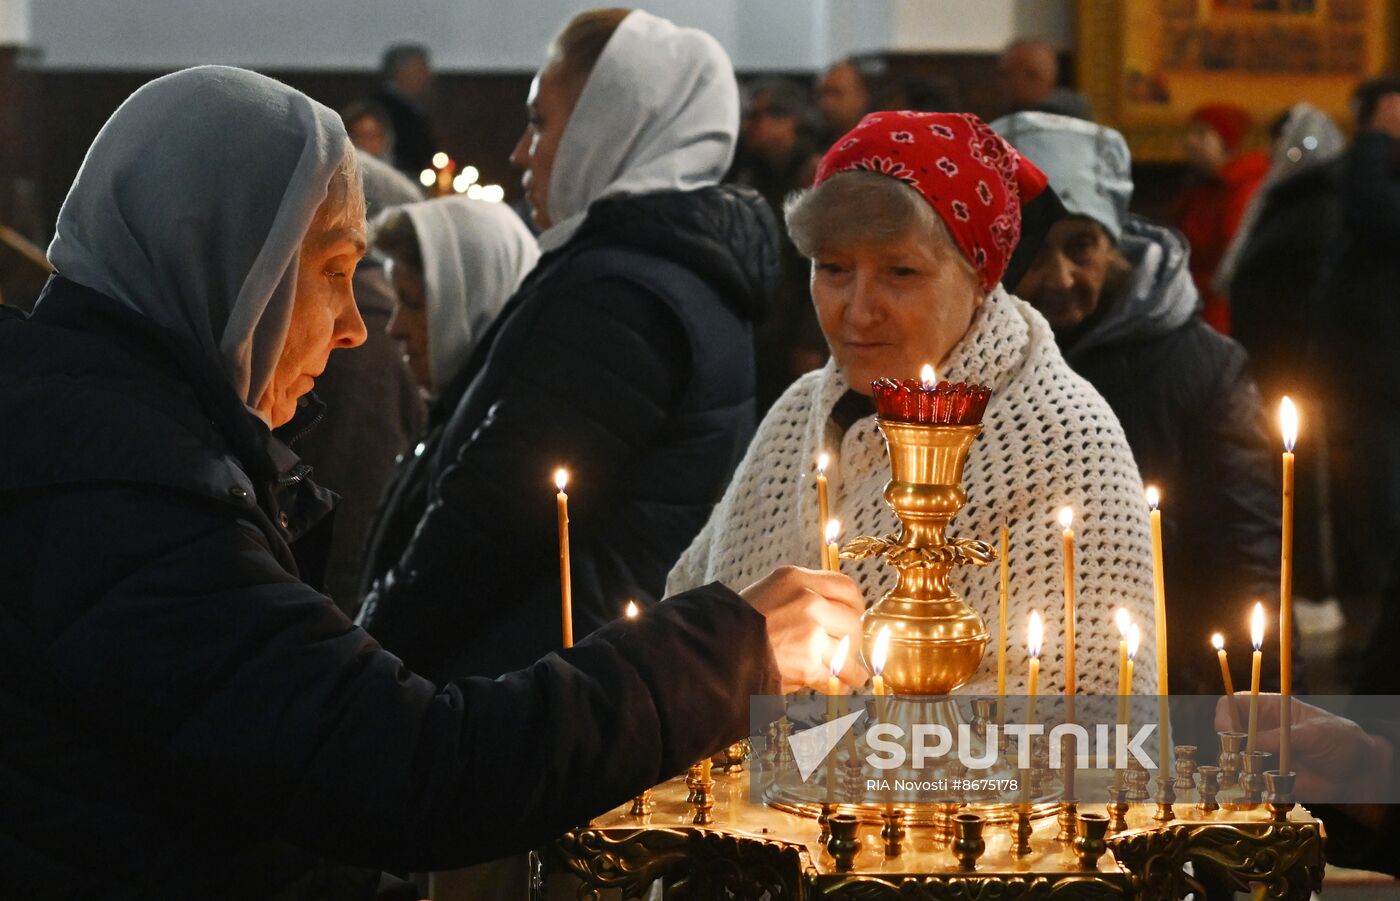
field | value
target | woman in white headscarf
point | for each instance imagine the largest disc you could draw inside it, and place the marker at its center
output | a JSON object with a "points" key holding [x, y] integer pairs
{"points": [[184, 716], [454, 262], [626, 357]]}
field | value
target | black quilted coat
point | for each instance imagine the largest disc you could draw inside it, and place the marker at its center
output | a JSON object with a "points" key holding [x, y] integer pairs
{"points": [[626, 357]]}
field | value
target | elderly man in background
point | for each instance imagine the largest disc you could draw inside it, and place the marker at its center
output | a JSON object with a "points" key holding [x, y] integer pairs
{"points": [[1030, 76], [844, 95], [1116, 291]]}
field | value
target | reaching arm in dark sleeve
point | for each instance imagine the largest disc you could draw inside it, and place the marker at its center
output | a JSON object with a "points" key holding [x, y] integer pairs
{"points": [[609, 361], [238, 685], [1370, 188]]}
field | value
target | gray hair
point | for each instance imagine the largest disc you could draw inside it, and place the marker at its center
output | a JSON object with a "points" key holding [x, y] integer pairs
{"points": [[863, 207]]}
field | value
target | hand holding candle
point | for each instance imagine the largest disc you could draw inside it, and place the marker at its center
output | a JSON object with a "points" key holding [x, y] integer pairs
{"points": [[1256, 637], [566, 589], [1218, 642], [1288, 421], [1066, 522]]}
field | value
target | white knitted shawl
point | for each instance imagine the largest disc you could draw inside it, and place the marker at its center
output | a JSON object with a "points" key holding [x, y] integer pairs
{"points": [[1048, 440]]}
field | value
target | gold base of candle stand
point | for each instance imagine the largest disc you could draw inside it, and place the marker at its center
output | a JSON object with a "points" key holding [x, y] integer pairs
{"points": [[755, 851]]}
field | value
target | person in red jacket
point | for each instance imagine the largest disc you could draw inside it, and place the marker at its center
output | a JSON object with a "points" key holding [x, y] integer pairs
{"points": [[1209, 209]]}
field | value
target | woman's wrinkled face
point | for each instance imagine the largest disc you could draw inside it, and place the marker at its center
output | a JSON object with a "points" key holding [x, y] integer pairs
{"points": [[409, 323], [889, 307], [551, 100], [1066, 280], [324, 315]]}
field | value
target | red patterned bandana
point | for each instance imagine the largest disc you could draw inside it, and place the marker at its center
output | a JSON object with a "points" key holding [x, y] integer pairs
{"points": [[974, 180]]}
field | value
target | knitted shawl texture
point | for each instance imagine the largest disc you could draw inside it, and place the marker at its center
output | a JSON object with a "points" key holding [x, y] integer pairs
{"points": [[1048, 440]]}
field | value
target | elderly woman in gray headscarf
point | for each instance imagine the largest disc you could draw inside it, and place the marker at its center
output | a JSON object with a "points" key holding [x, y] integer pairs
{"points": [[184, 716]]}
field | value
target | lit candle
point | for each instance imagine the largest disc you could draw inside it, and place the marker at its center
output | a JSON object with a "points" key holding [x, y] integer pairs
{"points": [[632, 611], [1122, 619], [1133, 637], [833, 706], [1256, 636], [823, 513], [929, 377], [833, 551], [1159, 590], [1001, 611], [877, 661], [566, 589], [1066, 522], [1218, 641], [1035, 637], [1288, 421]]}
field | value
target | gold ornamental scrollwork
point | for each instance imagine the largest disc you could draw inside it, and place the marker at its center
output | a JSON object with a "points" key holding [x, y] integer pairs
{"points": [[969, 551], [692, 864], [1286, 858], [976, 888]]}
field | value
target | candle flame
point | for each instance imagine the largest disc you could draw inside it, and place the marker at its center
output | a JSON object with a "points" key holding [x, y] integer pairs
{"points": [[822, 461], [632, 610], [1035, 634], [1134, 640], [1066, 517], [561, 478], [929, 376], [838, 658], [1288, 423], [1217, 641], [440, 160], [833, 530], [1256, 626], [1123, 620], [1154, 497], [881, 651]]}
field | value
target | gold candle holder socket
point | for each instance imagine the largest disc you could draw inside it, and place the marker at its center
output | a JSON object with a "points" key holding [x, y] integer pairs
{"points": [[1252, 779], [1090, 831], [1210, 788], [968, 844], [1231, 747], [892, 832], [1278, 789], [844, 842], [1185, 768]]}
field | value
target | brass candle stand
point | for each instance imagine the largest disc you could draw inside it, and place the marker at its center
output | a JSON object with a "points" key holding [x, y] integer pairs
{"points": [[706, 838]]}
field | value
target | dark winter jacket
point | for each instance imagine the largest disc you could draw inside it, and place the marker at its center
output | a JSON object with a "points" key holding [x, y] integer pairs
{"points": [[185, 718], [1195, 422], [625, 357], [1361, 313], [1276, 291]]}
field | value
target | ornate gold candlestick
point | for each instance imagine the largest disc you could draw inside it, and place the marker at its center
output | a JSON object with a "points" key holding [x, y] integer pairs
{"points": [[936, 640]]}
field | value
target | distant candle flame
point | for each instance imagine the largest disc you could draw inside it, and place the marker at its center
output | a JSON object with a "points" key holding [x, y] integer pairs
{"points": [[632, 610], [1134, 640], [822, 461], [929, 376], [1154, 497], [427, 178], [1256, 626], [881, 650], [833, 530], [561, 478], [440, 160], [1066, 517], [1123, 620], [1217, 641], [1035, 634], [838, 659], [1288, 423]]}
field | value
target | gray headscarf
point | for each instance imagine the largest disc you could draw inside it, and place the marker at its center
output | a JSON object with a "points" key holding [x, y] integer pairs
{"points": [[1309, 138], [191, 206]]}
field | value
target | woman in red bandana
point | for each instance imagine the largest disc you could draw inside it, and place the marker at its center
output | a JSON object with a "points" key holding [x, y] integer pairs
{"points": [[910, 227]]}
